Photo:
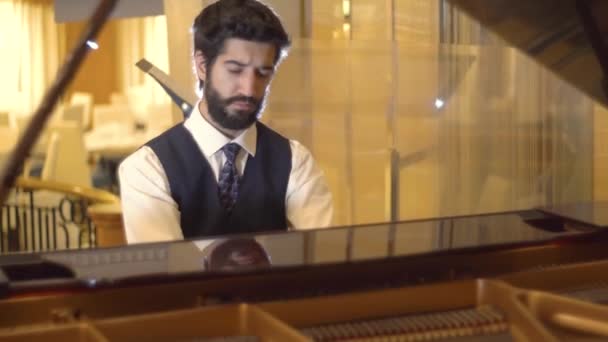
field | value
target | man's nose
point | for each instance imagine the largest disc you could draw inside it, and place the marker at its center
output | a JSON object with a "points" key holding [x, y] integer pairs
{"points": [[249, 84]]}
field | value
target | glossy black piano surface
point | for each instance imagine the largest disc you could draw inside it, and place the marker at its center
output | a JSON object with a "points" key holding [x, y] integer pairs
{"points": [[340, 258]]}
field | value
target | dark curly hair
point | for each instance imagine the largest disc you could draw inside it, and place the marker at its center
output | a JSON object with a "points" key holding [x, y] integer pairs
{"points": [[244, 19]]}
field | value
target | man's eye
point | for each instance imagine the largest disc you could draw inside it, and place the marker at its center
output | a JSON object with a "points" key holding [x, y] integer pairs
{"points": [[235, 71], [264, 73]]}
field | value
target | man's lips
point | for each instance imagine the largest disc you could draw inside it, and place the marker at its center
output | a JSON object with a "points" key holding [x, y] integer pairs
{"points": [[242, 105]]}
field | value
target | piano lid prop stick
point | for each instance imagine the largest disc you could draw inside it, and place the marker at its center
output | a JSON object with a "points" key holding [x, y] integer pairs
{"points": [[179, 95], [46, 106]]}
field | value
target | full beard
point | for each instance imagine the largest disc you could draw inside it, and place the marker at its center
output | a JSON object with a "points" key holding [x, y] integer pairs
{"points": [[227, 118]]}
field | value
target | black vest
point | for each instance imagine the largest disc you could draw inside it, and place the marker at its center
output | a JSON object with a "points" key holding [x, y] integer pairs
{"points": [[260, 205]]}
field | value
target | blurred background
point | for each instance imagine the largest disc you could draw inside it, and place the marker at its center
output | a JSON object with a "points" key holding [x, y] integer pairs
{"points": [[412, 109]]}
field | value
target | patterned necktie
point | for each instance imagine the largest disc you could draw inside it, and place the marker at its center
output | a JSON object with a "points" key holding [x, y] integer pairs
{"points": [[228, 182]]}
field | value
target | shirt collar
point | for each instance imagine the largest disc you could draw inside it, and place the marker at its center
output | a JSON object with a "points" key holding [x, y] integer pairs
{"points": [[210, 140]]}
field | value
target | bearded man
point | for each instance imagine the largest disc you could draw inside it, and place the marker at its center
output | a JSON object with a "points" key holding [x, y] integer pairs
{"points": [[221, 171]]}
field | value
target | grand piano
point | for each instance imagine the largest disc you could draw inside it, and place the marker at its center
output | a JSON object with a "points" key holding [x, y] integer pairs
{"points": [[531, 275]]}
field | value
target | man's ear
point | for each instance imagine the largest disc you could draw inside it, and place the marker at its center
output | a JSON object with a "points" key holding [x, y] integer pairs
{"points": [[200, 66]]}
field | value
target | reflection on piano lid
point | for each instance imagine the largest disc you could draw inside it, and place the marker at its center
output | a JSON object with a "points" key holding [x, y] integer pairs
{"points": [[235, 254], [364, 256], [567, 36]]}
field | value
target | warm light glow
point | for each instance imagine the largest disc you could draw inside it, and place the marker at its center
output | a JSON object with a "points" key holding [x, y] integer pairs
{"points": [[346, 8], [346, 27], [92, 44], [439, 103]]}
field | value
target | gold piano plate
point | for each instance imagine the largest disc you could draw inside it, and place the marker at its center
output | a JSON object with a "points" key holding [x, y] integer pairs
{"points": [[485, 309], [239, 322], [82, 332]]}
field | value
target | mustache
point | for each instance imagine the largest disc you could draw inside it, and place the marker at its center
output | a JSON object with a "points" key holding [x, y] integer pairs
{"points": [[248, 99]]}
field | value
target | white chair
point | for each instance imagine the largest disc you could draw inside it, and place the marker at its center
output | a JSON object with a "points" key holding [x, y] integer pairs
{"points": [[118, 99], [85, 99], [112, 114], [50, 162], [68, 160], [138, 99], [74, 113]]}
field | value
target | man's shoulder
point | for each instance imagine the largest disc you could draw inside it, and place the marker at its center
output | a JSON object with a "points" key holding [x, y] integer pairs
{"points": [[143, 162], [143, 155], [167, 135]]}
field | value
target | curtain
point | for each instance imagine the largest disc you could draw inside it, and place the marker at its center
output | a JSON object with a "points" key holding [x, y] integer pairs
{"points": [[32, 47], [142, 38]]}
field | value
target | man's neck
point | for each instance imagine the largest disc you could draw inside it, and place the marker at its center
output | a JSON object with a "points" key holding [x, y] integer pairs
{"points": [[230, 133]]}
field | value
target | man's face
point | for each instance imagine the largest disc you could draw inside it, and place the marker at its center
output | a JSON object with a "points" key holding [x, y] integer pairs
{"points": [[237, 82]]}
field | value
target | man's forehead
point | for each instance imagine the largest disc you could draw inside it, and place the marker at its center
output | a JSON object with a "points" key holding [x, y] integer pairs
{"points": [[245, 50]]}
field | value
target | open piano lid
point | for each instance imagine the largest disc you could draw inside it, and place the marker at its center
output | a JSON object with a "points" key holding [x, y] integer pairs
{"points": [[567, 36]]}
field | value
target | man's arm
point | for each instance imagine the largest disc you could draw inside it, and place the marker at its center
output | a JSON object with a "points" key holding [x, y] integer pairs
{"points": [[308, 200], [149, 212]]}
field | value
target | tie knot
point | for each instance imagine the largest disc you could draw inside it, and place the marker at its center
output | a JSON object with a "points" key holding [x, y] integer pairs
{"points": [[230, 151]]}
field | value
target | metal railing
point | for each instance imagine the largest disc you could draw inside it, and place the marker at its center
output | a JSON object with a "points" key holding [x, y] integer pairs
{"points": [[30, 224]]}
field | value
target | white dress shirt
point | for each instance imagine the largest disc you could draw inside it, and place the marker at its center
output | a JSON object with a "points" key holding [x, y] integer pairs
{"points": [[150, 214]]}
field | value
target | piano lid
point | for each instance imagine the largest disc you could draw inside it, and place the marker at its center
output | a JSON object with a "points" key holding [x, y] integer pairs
{"points": [[336, 245], [569, 37], [318, 261]]}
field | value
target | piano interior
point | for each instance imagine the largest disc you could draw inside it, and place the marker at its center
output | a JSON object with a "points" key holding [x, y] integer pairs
{"points": [[549, 285], [529, 275]]}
